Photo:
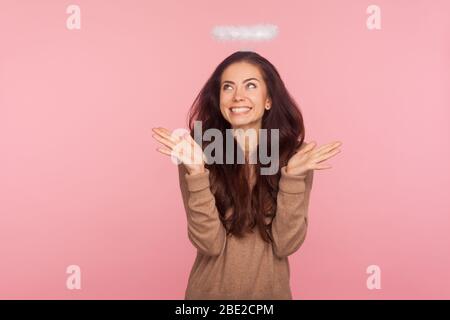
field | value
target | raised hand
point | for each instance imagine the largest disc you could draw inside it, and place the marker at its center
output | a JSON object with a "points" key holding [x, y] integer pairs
{"points": [[183, 148], [307, 158]]}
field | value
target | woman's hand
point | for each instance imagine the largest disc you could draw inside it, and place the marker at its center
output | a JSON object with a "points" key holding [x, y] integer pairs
{"points": [[183, 148], [307, 158]]}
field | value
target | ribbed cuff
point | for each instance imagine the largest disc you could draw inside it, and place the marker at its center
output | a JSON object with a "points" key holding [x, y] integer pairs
{"points": [[198, 181], [290, 183]]}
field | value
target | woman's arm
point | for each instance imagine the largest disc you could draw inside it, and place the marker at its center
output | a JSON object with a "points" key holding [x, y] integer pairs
{"points": [[290, 223], [205, 230]]}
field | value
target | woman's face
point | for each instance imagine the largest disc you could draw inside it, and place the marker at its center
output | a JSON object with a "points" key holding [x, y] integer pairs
{"points": [[242, 85]]}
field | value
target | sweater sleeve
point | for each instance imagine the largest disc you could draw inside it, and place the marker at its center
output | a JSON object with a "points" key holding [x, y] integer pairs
{"points": [[290, 223], [205, 230]]}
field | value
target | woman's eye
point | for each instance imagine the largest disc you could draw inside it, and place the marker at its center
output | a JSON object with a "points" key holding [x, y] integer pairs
{"points": [[226, 86]]}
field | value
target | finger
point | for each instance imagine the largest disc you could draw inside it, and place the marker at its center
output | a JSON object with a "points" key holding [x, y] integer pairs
{"points": [[163, 132], [164, 141], [327, 155], [324, 150], [194, 153], [164, 136], [167, 133], [194, 145], [308, 147], [165, 151], [197, 156], [322, 166], [185, 152], [189, 139], [327, 147], [175, 157]]}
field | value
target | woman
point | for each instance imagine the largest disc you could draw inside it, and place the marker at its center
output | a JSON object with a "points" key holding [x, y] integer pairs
{"points": [[245, 224]]}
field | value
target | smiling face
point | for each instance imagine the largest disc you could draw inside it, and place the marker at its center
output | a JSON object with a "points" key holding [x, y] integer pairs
{"points": [[243, 96]]}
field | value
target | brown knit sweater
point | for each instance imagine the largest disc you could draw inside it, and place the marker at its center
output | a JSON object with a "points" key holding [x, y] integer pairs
{"points": [[230, 268]]}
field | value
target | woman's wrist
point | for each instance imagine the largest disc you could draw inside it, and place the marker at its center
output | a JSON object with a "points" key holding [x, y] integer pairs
{"points": [[196, 171], [295, 171]]}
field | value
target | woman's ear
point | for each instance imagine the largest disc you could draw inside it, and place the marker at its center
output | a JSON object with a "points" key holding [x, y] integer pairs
{"points": [[268, 104]]}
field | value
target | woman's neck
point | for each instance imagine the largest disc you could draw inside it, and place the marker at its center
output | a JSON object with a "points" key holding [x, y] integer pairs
{"points": [[247, 139]]}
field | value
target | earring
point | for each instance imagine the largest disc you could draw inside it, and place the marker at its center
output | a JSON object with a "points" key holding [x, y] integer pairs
{"points": [[267, 107]]}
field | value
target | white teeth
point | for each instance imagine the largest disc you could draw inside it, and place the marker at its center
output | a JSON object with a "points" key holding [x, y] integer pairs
{"points": [[240, 109]]}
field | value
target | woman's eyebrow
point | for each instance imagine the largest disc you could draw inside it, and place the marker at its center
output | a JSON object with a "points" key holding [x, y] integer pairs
{"points": [[228, 81]]}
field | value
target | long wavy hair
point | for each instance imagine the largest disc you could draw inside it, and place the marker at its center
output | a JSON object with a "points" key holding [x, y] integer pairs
{"points": [[230, 182]]}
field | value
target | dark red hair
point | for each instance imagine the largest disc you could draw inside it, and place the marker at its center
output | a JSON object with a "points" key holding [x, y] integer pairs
{"points": [[229, 182]]}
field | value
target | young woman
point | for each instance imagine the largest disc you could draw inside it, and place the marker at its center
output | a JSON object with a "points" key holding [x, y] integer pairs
{"points": [[245, 224]]}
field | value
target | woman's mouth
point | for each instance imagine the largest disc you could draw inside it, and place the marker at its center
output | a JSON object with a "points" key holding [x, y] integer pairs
{"points": [[240, 110]]}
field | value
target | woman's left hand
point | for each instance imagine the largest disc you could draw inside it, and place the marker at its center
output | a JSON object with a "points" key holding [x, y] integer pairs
{"points": [[307, 158]]}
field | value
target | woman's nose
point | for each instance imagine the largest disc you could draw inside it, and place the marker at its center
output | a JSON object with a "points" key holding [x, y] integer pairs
{"points": [[239, 95]]}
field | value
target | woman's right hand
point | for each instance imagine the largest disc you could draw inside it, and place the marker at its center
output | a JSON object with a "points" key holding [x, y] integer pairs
{"points": [[183, 148]]}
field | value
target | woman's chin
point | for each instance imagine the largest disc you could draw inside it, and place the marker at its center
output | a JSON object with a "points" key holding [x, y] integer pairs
{"points": [[245, 127], [237, 124]]}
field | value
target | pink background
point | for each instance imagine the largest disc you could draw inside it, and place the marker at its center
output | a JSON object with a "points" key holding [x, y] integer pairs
{"points": [[81, 182]]}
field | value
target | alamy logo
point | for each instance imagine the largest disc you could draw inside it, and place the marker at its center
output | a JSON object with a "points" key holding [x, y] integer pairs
{"points": [[73, 281], [374, 280], [74, 20], [373, 22], [214, 153]]}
